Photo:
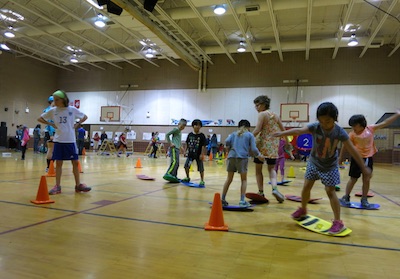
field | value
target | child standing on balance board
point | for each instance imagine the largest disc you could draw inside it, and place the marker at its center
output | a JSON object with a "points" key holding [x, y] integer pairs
{"points": [[323, 162], [241, 144], [195, 150], [362, 138], [175, 146]]}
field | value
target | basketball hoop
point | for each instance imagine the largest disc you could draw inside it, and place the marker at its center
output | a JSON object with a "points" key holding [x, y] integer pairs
{"points": [[108, 119]]}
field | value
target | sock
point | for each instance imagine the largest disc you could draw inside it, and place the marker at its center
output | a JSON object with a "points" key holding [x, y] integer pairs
{"points": [[242, 198], [223, 197]]}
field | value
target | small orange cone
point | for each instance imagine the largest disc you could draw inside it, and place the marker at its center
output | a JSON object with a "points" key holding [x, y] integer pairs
{"points": [[51, 172], [80, 166], [210, 157], [42, 196], [83, 151], [138, 164], [216, 222]]}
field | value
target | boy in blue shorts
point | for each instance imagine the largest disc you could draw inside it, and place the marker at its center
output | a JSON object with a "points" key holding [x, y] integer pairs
{"points": [[62, 118]]}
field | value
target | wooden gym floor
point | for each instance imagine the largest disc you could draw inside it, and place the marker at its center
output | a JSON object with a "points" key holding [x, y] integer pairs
{"points": [[129, 228]]}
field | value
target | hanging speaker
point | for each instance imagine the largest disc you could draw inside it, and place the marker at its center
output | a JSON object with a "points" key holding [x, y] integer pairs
{"points": [[149, 5], [102, 2], [114, 8]]}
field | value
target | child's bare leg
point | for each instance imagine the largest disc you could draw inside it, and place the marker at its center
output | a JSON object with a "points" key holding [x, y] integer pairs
{"points": [[260, 177], [75, 171], [187, 170], [330, 191], [272, 176], [59, 164], [305, 193], [227, 183], [365, 186], [243, 187], [350, 185]]}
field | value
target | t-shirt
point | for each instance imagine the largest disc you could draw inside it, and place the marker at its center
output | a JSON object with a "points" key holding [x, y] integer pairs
{"points": [[64, 118], [324, 152], [364, 142], [195, 143], [242, 146], [176, 137]]}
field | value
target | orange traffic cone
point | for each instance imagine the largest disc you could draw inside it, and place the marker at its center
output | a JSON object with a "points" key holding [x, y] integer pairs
{"points": [[80, 166], [51, 172], [216, 222], [138, 164], [210, 157], [83, 151], [42, 196]]}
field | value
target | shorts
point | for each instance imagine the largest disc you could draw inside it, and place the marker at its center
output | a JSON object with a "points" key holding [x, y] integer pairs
{"points": [[267, 160], [200, 165], [355, 170], [237, 165], [65, 151], [328, 178]]}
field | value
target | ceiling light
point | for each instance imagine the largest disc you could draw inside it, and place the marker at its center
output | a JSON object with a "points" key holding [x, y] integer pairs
{"points": [[149, 53], [219, 10], [242, 47], [4, 46], [91, 2], [353, 40], [100, 21], [73, 58], [9, 34], [9, 15]]}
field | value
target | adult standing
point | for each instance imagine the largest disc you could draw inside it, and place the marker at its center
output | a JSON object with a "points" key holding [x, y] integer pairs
{"points": [[36, 138], [81, 139], [214, 145], [48, 129], [96, 139], [268, 123]]}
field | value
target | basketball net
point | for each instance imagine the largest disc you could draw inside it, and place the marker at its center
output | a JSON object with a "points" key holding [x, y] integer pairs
{"points": [[294, 122]]}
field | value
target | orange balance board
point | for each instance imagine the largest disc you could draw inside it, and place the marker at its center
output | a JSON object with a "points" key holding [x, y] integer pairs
{"points": [[298, 199], [319, 225], [256, 198], [145, 177], [369, 195]]}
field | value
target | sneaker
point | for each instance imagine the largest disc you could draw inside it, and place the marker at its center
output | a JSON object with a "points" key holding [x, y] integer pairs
{"points": [[364, 203], [261, 193], [337, 227], [171, 178], [202, 183], [187, 179], [279, 197], [345, 200], [55, 190], [299, 214], [244, 204], [82, 188], [224, 203], [47, 169]]}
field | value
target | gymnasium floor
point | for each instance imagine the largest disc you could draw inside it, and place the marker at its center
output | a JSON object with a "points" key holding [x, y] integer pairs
{"points": [[130, 228]]}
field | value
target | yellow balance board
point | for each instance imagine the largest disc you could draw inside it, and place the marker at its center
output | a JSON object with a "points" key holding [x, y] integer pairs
{"points": [[319, 225]]}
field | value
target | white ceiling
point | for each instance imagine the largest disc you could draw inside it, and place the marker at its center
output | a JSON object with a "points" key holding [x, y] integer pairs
{"points": [[189, 30]]}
